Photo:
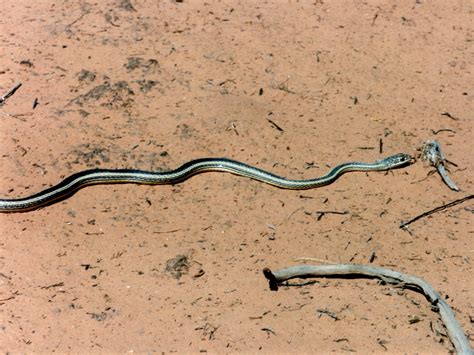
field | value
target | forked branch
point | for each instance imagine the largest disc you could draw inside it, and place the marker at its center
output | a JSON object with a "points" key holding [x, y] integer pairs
{"points": [[455, 332]]}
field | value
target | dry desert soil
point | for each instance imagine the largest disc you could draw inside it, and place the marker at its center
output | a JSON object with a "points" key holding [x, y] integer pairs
{"points": [[292, 87]]}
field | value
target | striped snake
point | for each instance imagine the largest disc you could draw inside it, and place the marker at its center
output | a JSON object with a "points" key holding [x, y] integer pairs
{"points": [[101, 176]]}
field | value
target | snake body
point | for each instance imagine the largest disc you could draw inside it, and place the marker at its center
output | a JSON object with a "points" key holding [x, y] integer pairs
{"points": [[102, 176]]}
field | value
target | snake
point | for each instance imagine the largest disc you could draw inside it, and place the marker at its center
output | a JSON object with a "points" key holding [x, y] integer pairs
{"points": [[71, 184]]}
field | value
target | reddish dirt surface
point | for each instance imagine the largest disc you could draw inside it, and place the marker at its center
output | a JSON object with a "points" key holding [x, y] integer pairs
{"points": [[291, 87]]}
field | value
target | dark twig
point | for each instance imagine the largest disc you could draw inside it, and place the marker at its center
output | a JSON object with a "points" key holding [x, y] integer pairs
{"points": [[9, 93], [437, 209], [328, 313], [275, 125], [269, 330], [447, 114], [442, 130], [300, 284], [13, 295], [59, 284], [165, 232], [455, 332], [374, 18], [322, 213]]}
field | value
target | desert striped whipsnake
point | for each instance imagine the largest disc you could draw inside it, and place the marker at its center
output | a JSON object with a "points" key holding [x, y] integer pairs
{"points": [[102, 176]]}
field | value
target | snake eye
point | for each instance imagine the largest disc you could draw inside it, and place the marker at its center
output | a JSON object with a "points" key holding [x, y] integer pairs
{"points": [[405, 158]]}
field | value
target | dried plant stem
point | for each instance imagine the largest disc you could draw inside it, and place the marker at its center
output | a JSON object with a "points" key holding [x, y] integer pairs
{"points": [[455, 332]]}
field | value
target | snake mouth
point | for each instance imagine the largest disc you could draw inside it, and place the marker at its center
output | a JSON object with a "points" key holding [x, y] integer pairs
{"points": [[406, 158], [410, 159]]}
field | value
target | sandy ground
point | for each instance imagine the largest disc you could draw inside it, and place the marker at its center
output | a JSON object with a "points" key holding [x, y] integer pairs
{"points": [[291, 87]]}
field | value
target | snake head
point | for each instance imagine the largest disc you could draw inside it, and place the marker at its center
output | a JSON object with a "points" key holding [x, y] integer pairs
{"points": [[398, 160]]}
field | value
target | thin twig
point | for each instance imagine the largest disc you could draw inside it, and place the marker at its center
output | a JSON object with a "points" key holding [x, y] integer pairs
{"points": [[59, 284], [328, 313], [374, 18], [303, 259], [437, 209], [322, 213], [448, 114], [292, 213], [165, 232], [455, 332], [268, 330], [442, 130], [9, 93], [277, 127]]}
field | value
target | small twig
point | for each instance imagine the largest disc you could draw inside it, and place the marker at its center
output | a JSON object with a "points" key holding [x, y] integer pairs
{"points": [[85, 11], [232, 127], [322, 213], [5, 276], [260, 316], [166, 232], [372, 257], [382, 343], [35, 103], [303, 259], [208, 330], [374, 18], [9, 93], [7, 299], [447, 114], [275, 125], [455, 332], [269, 330], [442, 130], [299, 284], [437, 209], [59, 284], [292, 213], [13, 295], [426, 177], [327, 313]]}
